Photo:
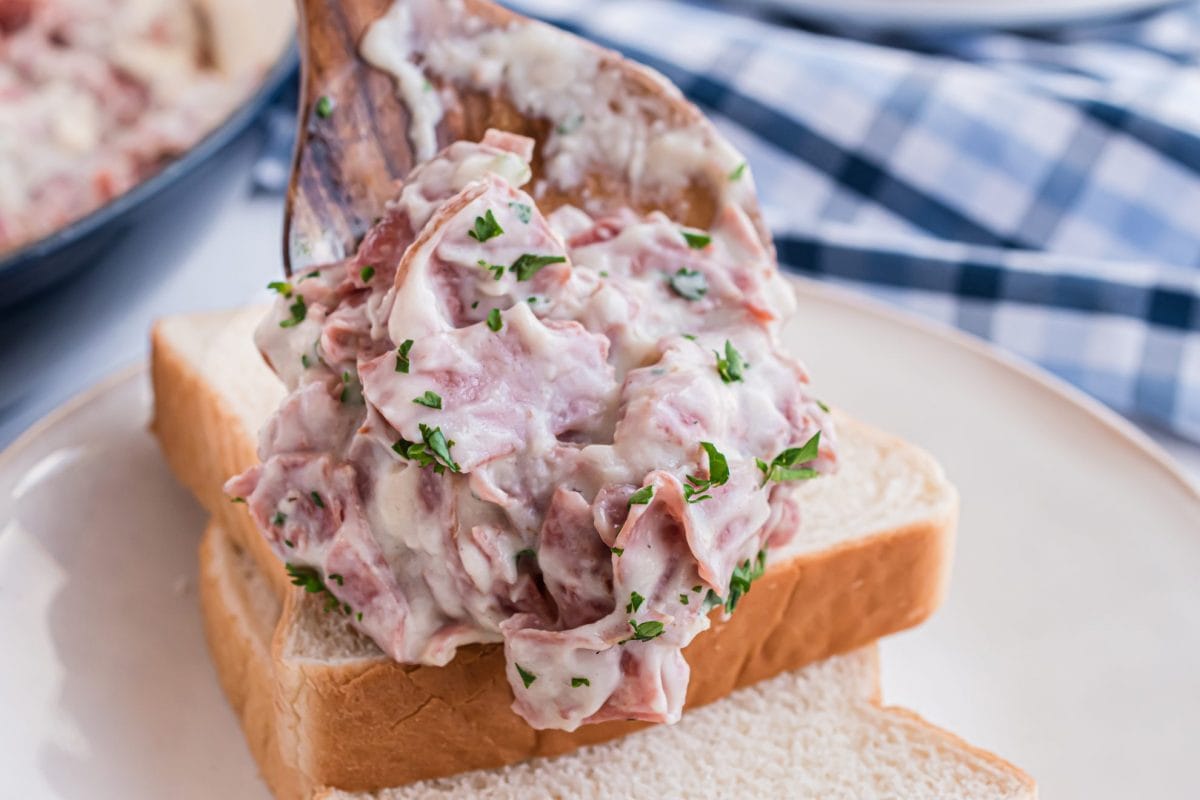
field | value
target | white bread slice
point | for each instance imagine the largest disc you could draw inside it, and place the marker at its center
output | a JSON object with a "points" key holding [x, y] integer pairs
{"points": [[872, 558], [814, 733]]}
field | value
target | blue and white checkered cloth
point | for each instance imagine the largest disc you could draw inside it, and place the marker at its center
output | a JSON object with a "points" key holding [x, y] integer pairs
{"points": [[1038, 189]]}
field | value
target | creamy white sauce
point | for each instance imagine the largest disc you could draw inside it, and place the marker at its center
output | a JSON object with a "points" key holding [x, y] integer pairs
{"points": [[549, 74], [558, 393], [386, 46]]}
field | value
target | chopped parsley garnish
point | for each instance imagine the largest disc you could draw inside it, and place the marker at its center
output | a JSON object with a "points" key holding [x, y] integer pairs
{"points": [[493, 320], [528, 264], [569, 125], [317, 501], [279, 518], [683, 598], [697, 588], [486, 227], [299, 312], [577, 682], [644, 631], [635, 602], [528, 552], [237, 499], [475, 305], [744, 574], [429, 400], [524, 211], [718, 475], [337, 579], [526, 676], [696, 241], [324, 106], [402, 356], [689, 284], [367, 273], [432, 451], [731, 368], [351, 391], [359, 616], [738, 172], [309, 579], [822, 406], [691, 337], [307, 275], [642, 496], [618, 551], [289, 543], [281, 287], [304, 362], [497, 270], [783, 466]]}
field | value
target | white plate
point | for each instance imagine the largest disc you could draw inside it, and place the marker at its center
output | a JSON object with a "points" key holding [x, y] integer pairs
{"points": [[957, 13], [1070, 642]]}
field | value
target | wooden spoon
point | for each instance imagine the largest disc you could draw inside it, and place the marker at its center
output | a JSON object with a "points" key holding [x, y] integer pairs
{"points": [[353, 144]]}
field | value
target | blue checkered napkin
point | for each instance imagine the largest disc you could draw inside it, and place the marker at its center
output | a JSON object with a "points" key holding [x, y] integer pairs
{"points": [[1041, 190]]}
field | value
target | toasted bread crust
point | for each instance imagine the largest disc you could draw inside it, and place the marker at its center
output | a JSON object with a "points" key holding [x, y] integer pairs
{"points": [[369, 723]]}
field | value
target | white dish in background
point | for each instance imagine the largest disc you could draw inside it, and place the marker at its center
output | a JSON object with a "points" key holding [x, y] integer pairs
{"points": [[896, 14], [1070, 643]]}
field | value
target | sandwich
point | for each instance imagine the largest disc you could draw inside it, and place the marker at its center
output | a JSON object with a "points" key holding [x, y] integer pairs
{"points": [[534, 470]]}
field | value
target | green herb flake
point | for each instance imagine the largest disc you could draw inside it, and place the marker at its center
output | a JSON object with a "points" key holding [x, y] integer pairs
{"points": [[738, 172], [783, 466], [279, 518], [689, 284], [683, 598], [744, 574], [494, 322], [237, 499], [697, 588], [497, 270], [359, 616], [528, 552], [299, 312], [304, 362], [290, 543], [432, 451], [429, 400], [486, 227], [618, 551], [527, 265], [822, 406], [569, 125], [718, 475], [732, 367], [691, 337], [524, 211], [282, 288], [317, 501], [635, 602], [351, 391], [313, 274], [309, 579], [642, 496], [367, 273], [644, 631], [324, 106], [577, 682], [475, 305], [527, 677], [696, 241], [402, 362]]}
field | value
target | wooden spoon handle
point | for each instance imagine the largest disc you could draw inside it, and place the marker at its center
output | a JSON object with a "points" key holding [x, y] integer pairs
{"points": [[352, 142]]}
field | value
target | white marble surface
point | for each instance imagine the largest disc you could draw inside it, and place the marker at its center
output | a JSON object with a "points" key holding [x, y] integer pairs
{"points": [[216, 256]]}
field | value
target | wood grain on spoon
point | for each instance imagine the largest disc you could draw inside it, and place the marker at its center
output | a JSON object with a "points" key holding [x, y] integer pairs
{"points": [[353, 144]]}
